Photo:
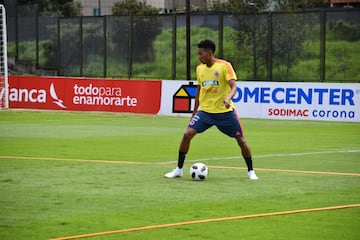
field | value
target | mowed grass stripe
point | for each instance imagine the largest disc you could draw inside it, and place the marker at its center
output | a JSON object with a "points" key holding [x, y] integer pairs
{"points": [[168, 164], [49, 199], [207, 221]]}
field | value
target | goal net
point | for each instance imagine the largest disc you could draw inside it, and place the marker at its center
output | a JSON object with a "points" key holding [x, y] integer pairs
{"points": [[4, 100]]}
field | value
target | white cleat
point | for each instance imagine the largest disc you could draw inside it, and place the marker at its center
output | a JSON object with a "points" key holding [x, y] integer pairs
{"points": [[177, 172], [252, 175]]}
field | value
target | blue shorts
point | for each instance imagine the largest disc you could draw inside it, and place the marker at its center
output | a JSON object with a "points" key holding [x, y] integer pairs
{"points": [[228, 123]]}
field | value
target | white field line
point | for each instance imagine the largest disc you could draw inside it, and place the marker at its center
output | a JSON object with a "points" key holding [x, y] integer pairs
{"points": [[268, 155], [194, 160]]}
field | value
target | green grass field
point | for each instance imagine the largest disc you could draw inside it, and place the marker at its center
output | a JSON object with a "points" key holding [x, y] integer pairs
{"points": [[67, 174]]}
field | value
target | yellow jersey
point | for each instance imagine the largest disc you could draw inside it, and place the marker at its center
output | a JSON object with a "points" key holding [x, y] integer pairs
{"points": [[214, 86]]}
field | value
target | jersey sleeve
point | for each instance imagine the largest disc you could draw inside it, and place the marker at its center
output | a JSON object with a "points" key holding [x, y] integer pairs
{"points": [[229, 72]]}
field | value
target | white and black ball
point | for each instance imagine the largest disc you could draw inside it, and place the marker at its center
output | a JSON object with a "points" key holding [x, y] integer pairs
{"points": [[199, 172]]}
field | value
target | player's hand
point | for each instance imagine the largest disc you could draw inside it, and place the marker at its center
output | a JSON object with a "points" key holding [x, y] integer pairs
{"points": [[227, 102]]}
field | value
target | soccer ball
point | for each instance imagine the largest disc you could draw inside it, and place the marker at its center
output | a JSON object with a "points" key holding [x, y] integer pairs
{"points": [[199, 171]]}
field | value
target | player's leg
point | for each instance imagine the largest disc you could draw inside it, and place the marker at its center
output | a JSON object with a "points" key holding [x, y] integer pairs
{"points": [[231, 126], [183, 149], [246, 153], [197, 124], [185, 145]]}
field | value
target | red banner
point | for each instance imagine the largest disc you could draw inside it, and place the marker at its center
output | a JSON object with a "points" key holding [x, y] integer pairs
{"points": [[84, 94]]}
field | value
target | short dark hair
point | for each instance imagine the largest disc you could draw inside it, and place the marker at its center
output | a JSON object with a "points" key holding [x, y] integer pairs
{"points": [[207, 44]]}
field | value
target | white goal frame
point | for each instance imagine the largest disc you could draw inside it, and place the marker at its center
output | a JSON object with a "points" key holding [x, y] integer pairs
{"points": [[4, 83]]}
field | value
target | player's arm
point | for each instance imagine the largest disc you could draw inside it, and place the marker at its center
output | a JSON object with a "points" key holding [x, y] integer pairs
{"points": [[231, 94], [196, 100]]}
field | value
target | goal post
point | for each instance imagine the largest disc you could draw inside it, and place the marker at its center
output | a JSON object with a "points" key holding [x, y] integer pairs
{"points": [[4, 84]]}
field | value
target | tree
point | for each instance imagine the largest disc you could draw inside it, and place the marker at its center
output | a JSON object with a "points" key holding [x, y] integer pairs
{"points": [[251, 38], [299, 4], [253, 32], [133, 7], [290, 31], [64, 8], [140, 25]]}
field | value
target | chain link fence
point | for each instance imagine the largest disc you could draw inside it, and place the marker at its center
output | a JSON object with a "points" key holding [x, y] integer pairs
{"points": [[321, 45]]}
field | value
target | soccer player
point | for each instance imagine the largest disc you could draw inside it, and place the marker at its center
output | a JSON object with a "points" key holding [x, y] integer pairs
{"points": [[213, 106]]}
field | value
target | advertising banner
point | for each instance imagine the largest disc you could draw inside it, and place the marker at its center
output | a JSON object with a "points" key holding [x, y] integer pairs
{"points": [[177, 97], [275, 100], [84, 94], [300, 101], [271, 100]]}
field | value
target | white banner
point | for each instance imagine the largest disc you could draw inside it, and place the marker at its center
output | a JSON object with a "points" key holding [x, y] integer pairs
{"points": [[177, 97], [275, 100]]}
